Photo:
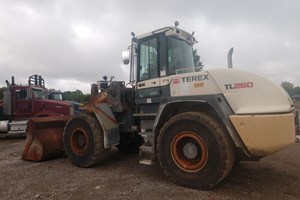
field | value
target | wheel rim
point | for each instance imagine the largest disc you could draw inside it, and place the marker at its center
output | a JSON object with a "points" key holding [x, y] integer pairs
{"points": [[189, 151], [79, 141]]}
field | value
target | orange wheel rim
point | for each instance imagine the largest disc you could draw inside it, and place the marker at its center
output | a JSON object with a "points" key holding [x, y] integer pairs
{"points": [[79, 141], [189, 151]]}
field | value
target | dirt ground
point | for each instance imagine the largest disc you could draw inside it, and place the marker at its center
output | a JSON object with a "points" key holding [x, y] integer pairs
{"points": [[122, 177]]}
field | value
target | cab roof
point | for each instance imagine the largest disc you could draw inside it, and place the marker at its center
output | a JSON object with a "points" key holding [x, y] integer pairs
{"points": [[171, 31]]}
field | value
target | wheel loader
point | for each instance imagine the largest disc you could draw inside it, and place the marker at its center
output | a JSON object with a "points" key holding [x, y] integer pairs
{"points": [[196, 124]]}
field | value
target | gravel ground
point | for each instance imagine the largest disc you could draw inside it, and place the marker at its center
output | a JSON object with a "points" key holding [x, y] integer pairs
{"points": [[121, 177]]}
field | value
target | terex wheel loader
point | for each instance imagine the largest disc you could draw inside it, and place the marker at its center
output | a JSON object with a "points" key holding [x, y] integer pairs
{"points": [[195, 123]]}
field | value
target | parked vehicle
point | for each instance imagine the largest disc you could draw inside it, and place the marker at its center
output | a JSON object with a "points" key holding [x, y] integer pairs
{"points": [[22, 102]]}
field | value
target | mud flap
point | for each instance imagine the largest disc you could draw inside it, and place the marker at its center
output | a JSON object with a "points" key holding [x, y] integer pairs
{"points": [[44, 138]]}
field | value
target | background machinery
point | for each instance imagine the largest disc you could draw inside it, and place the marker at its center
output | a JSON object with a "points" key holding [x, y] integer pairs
{"points": [[22, 102]]}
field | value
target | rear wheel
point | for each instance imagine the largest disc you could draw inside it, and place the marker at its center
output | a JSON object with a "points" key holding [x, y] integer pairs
{"points": [[84, 141], [195, 150]]}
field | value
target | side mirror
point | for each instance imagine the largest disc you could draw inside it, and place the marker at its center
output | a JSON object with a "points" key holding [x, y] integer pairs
{"points": [[125, 56]]}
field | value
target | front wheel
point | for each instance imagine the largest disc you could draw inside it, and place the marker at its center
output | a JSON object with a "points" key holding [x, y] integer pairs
{"points": [[84, 141], [195, 150]]}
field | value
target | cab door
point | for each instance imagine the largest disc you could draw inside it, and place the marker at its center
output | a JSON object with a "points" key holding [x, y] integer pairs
{"points": [[22, 104], [151, 66]]}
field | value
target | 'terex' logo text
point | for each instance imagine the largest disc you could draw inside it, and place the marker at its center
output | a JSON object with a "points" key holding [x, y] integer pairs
{"points": [[195, 78]]}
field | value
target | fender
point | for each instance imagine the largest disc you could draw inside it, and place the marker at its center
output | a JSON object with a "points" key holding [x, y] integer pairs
{"points": [[108, 123], [99, 105], [213, 104]]}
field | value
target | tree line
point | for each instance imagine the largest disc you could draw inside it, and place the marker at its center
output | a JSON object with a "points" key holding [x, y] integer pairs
{"points": [[290, 88], [76, 95]]}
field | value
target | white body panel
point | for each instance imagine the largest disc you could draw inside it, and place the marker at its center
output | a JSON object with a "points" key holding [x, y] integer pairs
{"points": [[190, 84], [246, 93]]}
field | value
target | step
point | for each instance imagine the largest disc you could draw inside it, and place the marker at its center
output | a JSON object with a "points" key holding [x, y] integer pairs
{"points": [[144, 115], [147, 124], [17, 132], [16, 126], [146, 135], [147, 148], [147, 157]]}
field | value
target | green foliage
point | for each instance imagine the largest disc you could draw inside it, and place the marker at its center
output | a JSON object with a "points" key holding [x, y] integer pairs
{"points": [[297, 90], [290, 89], [76, 96], [197, 61], [1, 92]]}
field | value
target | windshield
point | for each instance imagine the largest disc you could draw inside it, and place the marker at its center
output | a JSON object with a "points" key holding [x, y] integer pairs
{"points": [[180, 56], [56, 96], [38, 94]]}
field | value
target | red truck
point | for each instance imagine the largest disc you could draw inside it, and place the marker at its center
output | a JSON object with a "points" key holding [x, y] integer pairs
{"points": [[22, 102]]}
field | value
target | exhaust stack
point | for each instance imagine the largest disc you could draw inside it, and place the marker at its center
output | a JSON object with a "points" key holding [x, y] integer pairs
{"points": [[229, 57], [12, 80]]}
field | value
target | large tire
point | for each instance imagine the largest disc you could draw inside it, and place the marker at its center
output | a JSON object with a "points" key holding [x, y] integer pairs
{"points": [[195, 150], [84, 141]]}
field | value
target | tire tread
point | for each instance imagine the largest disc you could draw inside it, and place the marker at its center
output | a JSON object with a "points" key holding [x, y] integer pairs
{"points": [[99, 152], [221, 134]]}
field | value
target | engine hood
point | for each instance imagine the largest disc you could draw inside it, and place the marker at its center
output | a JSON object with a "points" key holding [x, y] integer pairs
{"points": [[249, 93]]}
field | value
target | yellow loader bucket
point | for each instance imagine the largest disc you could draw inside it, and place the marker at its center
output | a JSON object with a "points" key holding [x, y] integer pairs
{"points": [[44, 138]]}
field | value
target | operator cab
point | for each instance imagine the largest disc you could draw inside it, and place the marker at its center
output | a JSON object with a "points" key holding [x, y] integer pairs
{"points": [[164, 52], [160, 53], [154, 57]]}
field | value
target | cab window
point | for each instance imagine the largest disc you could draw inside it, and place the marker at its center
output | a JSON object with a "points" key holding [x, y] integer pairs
{"points": [[148, 60], [180, 56], [38, 94], [21, 94]]}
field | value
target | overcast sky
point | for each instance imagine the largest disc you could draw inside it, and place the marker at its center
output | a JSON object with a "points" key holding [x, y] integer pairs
{"points": [[74, 43]]}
